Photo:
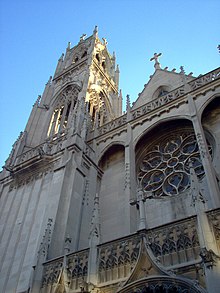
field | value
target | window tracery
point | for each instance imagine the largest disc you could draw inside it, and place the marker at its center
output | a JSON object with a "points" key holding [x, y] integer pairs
{"points": [[65, 104], [97, 109], [164, 169]]}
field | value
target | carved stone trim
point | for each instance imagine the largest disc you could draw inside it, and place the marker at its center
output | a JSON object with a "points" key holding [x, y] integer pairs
{"points": [[161, 101], [176, 243], [76, 270], [214, 219]]}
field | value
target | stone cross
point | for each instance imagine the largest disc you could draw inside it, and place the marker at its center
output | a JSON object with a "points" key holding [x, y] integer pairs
{"points": [[157, 64]]}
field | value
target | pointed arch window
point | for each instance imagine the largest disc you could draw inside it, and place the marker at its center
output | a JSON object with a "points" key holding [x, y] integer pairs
{"points": [[66, 103], [97, 109]]}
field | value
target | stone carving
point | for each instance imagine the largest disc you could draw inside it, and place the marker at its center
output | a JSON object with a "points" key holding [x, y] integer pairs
{"points": [[12, 156], [157, 103], [64, 106], [195, 191], [214, 219], [52, 272], [71, 75], [165, 285], [170, 244], [68, 241], [82, 38], [40, 150], [76, 270], [127, 176], [175, 243], [113, 124], [208, 257], [157, 64], [37, 102], [117, 259], [204, 79], [202, 149], [86, 193], [164, 170], [30, 177], [128, 103], [164, 100], [77, 265], [46, 239]]}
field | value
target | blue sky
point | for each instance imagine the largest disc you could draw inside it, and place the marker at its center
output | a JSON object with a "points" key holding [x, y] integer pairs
{"points": [[34, 33]]}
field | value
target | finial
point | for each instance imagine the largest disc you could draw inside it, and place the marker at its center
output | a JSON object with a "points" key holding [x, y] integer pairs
{"points": [[184, 79], [68, 46], [49, 81], [105, 42], [157, 64], [128, 102], [68, 241], [82, 38], [95, 30], [182, 71], [61, 57], [37, 101], [218, 48]]}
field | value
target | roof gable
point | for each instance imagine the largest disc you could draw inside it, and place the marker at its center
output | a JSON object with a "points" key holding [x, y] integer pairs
{"points": [[160, 83]]}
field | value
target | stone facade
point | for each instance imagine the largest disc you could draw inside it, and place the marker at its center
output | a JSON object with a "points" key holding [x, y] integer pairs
{"points": [[93, 200]]}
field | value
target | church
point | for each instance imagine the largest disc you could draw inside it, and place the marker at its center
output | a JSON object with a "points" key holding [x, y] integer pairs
{"points": [[94, 199]]}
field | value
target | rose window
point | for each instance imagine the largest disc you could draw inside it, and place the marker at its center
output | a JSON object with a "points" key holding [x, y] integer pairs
{"points": [[164, 170]]}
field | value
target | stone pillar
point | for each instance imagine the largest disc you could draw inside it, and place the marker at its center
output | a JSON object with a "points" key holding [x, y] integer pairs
{"points": [[42, 256], [208, 253], [94, 240], [141, 200], [130, 182], [204, 153]]}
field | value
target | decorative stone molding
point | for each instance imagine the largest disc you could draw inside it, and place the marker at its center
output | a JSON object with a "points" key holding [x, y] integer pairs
{"points": [[127, 176], [208, 257], [113, 124], [52, 272], [214, 219], [161, 101], [205, 79], [171, 245], [176, 243], [117, 258], [76, 269], [30, 177], [43, 250]]}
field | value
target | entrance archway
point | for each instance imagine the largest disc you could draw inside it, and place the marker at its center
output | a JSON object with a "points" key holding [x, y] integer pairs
{"points": [[162, 284]]}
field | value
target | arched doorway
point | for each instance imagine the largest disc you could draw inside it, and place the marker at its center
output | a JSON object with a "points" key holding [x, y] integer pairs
{"points": [[163, 284]]}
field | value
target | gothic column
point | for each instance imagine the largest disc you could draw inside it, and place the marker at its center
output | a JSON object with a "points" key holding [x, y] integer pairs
{"points": [[208, 253], [204, 153], [142, 214], [63, 116], [94, 240], [130, 182], [37, 274]]}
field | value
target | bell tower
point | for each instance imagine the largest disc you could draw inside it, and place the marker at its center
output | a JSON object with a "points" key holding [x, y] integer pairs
{"points": [[51, 167], [84, 86]]}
